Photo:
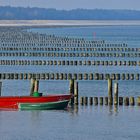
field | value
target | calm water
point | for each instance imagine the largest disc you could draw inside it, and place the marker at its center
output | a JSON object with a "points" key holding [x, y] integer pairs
{"points": [[88, 123], [82, 123]]}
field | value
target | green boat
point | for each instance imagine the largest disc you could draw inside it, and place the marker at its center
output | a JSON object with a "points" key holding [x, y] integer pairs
{"points": [[43, 106]]}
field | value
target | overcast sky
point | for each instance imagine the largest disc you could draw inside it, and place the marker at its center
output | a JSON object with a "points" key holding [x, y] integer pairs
{"points": [[72, 4]]}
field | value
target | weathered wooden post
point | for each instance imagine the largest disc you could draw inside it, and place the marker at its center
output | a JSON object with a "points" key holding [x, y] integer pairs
{"points": [[132, 101], [106, 100], [120, 100], [126, 101], [0, 87], [36, 87], [138, 101], [76, 93], [95, 100], [32, 86], [101, 100], [91, 100], [115, 93], [71, 90], [110, 97]]}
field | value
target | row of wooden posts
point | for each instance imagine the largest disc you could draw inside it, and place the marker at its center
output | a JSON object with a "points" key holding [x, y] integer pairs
{"points": [[61, 43], [104, 101], [108, 100], [74, 91], [71, 54], [69, 76], [70, 62], [24, 38], [98, 49]]}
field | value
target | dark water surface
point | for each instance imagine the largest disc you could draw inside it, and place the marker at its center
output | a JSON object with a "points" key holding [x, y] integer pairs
{"points": [[79, 123]]}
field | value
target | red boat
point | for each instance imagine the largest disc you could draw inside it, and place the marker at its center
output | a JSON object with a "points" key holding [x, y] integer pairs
{"points": [[34, 103]]}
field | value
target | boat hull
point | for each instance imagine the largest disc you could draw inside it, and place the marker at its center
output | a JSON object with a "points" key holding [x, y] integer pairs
{"points": [[43, 102], [44, 106]]}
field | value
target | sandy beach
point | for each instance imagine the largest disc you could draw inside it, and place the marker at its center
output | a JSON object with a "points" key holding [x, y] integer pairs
{"points": [[67, 22]]}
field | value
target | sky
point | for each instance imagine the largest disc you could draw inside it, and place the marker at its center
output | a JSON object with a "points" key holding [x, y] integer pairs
{"points": [[73, 4]]}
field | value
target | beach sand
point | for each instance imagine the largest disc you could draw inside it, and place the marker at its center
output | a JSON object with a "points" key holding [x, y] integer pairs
{"points": [[67, 22]]}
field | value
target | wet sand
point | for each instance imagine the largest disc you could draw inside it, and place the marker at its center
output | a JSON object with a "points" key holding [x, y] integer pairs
{"points": [[67, 22]]}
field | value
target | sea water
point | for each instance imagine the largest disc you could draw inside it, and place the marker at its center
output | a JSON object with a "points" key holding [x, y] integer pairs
{"points": [[82, 122]]}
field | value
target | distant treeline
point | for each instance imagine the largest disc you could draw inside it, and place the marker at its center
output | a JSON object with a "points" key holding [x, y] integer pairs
{"points": [[20, 13]]}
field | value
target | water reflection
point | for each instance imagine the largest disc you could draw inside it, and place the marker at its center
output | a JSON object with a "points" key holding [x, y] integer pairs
{"points": [[77, 110], [35, 115], [111, 110], [116, 109], [73, 110]]}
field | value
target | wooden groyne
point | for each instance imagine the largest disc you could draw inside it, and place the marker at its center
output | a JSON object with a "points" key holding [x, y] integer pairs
{"points": [[113, 99], [126, 101], [74, 54], [70, 62], [27, 39], [68, 76], [67, 49]]}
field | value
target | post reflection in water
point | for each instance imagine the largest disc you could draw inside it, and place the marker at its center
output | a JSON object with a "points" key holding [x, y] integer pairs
{"points": [[116, 109], [73, 109]]}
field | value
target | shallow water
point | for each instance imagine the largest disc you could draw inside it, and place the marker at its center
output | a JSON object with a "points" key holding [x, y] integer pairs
{"points": [[90, 123], [84, 122]]}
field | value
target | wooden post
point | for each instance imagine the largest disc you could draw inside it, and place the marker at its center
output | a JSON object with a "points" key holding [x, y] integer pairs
{"points": [[132, 101], [101, 100], [106, 100], [91, 100], [126, 101], [110, 98], [36, 87], [71, 90], [138, 101], [95, 100], [0, 87], [32, 86], [115, 93], [120, 100], [76, 93]]}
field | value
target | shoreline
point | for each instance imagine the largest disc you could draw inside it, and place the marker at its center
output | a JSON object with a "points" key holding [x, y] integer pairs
{"points": [[62, 23]]}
